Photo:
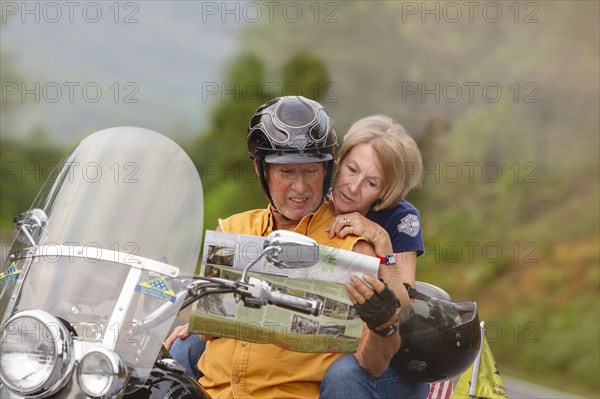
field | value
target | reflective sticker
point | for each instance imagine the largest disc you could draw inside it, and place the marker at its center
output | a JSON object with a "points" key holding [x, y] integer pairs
{"points": [[416, 365], [157, 288], [12, 273], [409, 225]]}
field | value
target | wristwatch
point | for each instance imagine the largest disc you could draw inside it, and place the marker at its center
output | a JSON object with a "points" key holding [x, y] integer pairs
{"points": [[388, 332], [387, 260]]}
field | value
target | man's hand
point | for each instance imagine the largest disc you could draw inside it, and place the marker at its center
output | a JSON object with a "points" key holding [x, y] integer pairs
{"points": [[375, 303], [181, 332]]}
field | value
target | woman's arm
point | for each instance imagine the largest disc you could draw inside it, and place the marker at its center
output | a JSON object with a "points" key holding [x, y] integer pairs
{"points": [[356, 224], [374, 351]]}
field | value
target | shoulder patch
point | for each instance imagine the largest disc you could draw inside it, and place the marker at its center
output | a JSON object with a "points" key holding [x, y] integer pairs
{"points": [[409, 225]]}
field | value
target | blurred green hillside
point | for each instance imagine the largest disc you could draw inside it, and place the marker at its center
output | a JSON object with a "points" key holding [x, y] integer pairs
{"points": [[510, 198], [520, 238]]}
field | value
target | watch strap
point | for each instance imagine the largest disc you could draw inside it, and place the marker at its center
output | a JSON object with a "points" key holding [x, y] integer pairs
{"points": [[387, 260]]}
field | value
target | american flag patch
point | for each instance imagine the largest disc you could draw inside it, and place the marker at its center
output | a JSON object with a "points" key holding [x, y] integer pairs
{"points": [[440, 390]]}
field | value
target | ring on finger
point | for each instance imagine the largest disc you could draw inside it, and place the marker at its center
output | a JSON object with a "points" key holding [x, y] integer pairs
{"points": [[346, 221]]}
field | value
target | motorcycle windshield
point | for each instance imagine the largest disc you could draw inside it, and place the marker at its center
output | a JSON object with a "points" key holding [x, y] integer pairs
{"points": [[119, 238]]}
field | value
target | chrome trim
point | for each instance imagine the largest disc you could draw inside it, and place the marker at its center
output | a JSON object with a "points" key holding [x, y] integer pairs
{"points": [[64, 355], [121, 308], [16, 291], [119, 373], [165, 309], [21, 254], [172, 365], [32, 224]]}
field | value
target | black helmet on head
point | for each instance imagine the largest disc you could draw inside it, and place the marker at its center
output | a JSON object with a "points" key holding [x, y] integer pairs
{"points": [[292, 130], [440, 338]]}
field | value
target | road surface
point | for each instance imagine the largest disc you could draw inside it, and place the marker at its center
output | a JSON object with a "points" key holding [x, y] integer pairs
{"points": [[518, 389]]}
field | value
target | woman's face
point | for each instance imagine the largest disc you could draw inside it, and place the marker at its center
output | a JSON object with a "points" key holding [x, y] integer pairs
{"points": [[358, 182]]}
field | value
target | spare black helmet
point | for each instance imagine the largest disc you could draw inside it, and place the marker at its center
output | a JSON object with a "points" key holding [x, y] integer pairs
{"points": [[440, 338], [432, 291], [292, 130]]}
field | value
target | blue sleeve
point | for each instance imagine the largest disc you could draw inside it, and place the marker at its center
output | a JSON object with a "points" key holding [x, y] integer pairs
{"points": [[403, 224]]}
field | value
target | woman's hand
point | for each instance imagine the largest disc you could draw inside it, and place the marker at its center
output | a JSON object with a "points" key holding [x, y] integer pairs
{"points": [[356, 224], [182, 332]]}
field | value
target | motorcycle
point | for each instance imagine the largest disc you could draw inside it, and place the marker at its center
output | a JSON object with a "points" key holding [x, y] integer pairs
{"points": [[102, 264]]}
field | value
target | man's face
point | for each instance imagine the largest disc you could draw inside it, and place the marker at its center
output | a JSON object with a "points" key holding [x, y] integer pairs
{"points": [[296, 190]]}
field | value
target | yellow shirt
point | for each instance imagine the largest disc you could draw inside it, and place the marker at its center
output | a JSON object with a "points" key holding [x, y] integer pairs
{"points": [[239, 369]]}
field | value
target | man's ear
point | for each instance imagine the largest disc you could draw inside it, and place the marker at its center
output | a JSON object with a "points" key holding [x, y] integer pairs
{"points": [[255, 162]]}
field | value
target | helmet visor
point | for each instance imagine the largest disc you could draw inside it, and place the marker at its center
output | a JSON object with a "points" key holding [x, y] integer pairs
{"points": [[437, 316], [296, 157]]}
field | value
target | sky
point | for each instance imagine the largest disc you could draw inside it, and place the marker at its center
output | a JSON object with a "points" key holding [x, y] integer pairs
{"points": [[84, 66]]}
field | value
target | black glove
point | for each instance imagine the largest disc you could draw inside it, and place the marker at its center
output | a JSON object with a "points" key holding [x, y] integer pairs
{"points": [[378, 309]]}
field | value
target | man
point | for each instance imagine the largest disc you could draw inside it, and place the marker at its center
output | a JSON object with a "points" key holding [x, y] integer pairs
{"points": [[292, 143]]}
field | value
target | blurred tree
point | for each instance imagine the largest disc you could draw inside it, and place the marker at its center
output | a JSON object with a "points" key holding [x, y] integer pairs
{"points": [[432, 145], [430, 141], [308, 74], [25, 167], [220, 153]]}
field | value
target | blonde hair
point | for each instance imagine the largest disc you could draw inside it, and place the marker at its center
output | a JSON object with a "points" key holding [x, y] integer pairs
{"points": [[397, 152]]}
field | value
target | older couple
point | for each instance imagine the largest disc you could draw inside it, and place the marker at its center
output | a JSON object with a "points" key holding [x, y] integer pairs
{"points": [[292, 142]]}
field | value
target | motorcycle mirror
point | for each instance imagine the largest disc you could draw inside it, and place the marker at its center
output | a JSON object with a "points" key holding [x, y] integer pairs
{"points": [[291, 250], [29, 226]]}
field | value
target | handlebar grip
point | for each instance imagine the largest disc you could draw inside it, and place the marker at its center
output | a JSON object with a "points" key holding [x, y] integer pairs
{"points": [[308, 306]]}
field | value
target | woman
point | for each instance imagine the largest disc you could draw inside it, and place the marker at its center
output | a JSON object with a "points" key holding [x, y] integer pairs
{"points": [[378, 165]]}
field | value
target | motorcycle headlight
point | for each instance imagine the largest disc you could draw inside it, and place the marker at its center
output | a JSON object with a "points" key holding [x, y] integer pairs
{"points": [[101, 373], [36, 354]]}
